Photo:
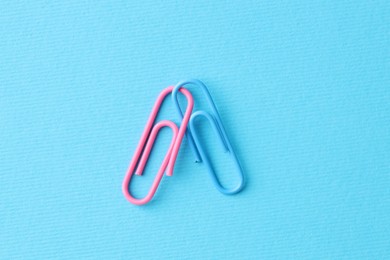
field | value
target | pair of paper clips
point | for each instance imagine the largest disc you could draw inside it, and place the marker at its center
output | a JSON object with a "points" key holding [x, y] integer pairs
{"points": [[187, 128]]}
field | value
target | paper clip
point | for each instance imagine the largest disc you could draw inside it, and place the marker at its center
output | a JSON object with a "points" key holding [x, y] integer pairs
{"points": [[216, 124], [144, 151]]}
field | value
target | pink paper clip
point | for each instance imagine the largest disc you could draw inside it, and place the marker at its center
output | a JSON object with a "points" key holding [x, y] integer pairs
{"points": [[144, 151]]}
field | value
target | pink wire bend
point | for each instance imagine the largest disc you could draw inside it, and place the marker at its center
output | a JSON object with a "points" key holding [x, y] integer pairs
{"points": [[142, 152]]}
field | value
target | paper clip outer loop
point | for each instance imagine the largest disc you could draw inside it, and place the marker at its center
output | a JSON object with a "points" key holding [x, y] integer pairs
{"points": [[144, 151], [217, 125]]}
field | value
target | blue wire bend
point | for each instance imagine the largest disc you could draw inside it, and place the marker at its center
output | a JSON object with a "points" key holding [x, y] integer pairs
{"points": [[216, 124]]}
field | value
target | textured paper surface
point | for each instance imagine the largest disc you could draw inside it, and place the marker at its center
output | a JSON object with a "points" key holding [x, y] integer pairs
{"points": [[303, 89]]}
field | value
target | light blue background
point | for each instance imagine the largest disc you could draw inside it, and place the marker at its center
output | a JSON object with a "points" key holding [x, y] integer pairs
{"points": [[303, 88]]}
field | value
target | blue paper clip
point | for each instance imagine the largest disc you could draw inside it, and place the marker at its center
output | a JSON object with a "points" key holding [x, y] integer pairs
{"points": [[216, 124]]}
